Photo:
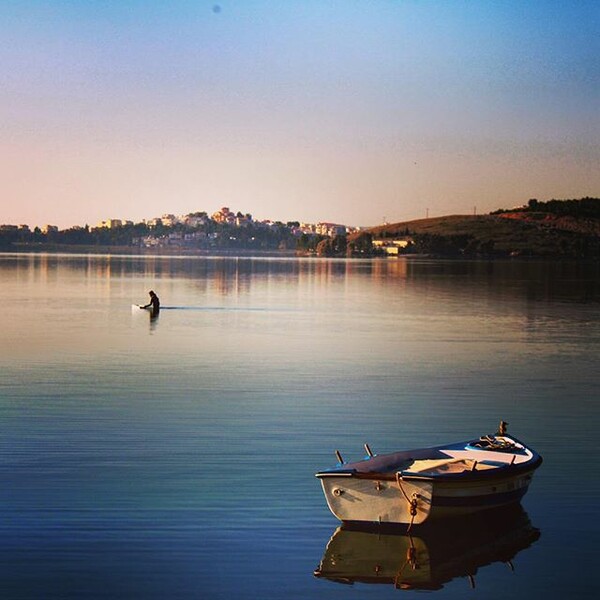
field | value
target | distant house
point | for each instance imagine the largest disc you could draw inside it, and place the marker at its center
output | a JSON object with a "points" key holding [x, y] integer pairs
{"points": [[330, 229], [308, 228], [110, 224], [48, 228], [194, 220], [393, 247], [150, 241], [224, 216]]}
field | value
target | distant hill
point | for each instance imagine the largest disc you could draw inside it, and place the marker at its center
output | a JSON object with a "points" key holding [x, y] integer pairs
{"points": [[569, 228]]}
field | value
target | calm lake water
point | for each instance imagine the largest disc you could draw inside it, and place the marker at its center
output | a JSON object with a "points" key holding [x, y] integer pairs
{"points": [[175, 458]]}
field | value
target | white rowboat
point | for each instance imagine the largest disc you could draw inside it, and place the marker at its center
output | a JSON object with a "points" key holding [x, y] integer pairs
{"points": [[413, 486]]}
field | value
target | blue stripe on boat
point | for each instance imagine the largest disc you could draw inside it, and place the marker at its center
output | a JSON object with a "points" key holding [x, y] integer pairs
{"points": [[487, 500]]}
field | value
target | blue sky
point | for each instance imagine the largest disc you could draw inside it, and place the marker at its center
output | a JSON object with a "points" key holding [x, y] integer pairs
{"points": [[341, 110]]}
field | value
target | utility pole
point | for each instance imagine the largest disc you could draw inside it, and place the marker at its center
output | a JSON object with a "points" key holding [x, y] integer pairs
{"points": [[427, 213]]}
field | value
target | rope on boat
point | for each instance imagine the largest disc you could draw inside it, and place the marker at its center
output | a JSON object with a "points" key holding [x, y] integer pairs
{"points": [[489, 442], [412, 502]]}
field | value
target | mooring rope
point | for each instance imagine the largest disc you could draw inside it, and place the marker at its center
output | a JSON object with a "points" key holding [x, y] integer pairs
{"points": [[412, 502]]}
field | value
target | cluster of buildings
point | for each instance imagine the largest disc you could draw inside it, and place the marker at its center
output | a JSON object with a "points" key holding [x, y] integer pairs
{"points": [[166, 220], [199, 219], [393, 247], [388, 247], [240, 220], [175, 239], [193, 233], [228, 217], [113, 224], [223, 216]]}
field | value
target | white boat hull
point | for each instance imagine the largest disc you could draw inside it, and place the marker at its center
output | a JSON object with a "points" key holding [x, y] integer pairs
{"points": [[351, 499], [414, 486]]}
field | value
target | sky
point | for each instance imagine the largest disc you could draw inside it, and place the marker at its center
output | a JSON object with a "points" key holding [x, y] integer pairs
{"points": [[350, 111]]}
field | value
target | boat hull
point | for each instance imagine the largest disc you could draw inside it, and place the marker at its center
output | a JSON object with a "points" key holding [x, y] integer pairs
{"points": [[453, 480], [383, 501], [461, 498], [376, 500]]}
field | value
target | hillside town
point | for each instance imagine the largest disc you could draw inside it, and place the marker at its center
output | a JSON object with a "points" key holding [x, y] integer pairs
{"points": [[554, 228], [224, 229], [193, 229]]}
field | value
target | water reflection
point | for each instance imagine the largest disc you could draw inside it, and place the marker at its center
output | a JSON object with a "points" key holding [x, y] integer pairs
{"points": [[533, 281], [154, 313], [431, 556]]}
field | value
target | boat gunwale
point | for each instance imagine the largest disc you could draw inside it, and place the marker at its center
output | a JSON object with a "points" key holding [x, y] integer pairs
{"points": [[500, 472]]}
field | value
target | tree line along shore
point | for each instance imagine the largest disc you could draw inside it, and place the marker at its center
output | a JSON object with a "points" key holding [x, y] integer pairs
{"points": [[555, 228]]}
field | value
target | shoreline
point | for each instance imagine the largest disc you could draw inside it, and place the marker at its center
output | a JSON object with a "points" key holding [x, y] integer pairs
{"points": [[139, 251], [85, 250]]}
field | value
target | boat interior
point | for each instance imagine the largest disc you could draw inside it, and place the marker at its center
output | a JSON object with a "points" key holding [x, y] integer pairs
{"points": [[461, 460], [449, 465], [490, 452]]}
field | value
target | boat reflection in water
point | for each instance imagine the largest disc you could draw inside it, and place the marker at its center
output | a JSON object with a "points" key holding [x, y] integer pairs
{"points": [[430, 556]]}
